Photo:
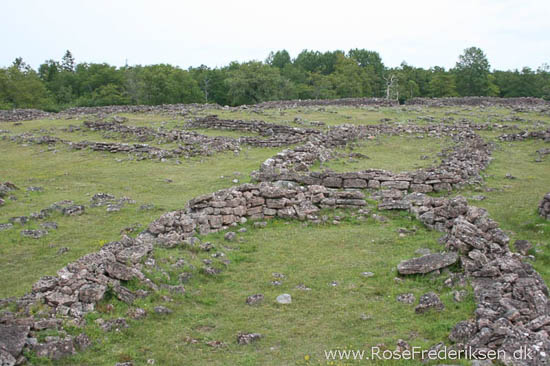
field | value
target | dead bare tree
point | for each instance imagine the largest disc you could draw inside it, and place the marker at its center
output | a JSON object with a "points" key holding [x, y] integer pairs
{"points": [[204, 88], [392, 86]]}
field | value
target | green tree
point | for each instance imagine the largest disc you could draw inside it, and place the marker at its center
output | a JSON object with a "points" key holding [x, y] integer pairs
{"points": [[254, 82], [321, 86], [278, 59], [67, 62], [472, 73], [372, 63], [442, 84], [349, 79], [21, 87]]}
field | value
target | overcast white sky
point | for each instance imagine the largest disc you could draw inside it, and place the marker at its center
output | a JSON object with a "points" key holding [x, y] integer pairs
{"points": [[512, 33]]}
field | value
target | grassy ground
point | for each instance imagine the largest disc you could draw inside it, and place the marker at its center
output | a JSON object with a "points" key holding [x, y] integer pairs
{"points": [[77, 176], [356, 314], [396, 153]]}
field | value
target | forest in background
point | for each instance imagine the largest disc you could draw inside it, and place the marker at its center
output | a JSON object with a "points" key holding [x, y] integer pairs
{"points": [[61, 84]]}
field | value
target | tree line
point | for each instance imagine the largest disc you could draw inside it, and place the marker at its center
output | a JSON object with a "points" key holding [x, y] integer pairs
{"points": [[60, 84]]}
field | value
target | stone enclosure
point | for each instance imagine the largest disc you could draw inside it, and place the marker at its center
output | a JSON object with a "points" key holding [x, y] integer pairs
{"points": [[512, 308]]}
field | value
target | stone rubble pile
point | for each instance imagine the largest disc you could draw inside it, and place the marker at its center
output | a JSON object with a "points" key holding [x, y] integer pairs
{"points": [[142, 151], [525, 135], [544, 206], [69, 296], [274, 134], [194, 143], [15, 115]]}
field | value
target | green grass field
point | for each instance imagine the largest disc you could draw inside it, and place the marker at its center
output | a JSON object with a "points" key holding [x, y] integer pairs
{"points": [[357, 313]]}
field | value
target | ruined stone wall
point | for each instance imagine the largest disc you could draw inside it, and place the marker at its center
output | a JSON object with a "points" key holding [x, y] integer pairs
{"points": [[512, 308], [469, 156], [184, 109], [220, 210], [192, 144], [353, 102], [478, 101], [526, 135], [172, 109]]}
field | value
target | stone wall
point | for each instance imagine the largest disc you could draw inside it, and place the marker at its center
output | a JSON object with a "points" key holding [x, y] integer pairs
{"points": [[525, 135], [171, 109], [511, 298], [184, 109], [354, 102], [464, 162], [14, 115], [478, 101], [220, 210], [512, 308], [194, 145]]}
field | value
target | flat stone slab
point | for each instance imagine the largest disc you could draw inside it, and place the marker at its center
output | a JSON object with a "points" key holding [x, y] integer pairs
{"points": [[13, 338], [427, 263]]}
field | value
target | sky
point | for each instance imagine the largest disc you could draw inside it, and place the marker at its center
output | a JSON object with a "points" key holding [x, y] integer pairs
{"points": [[513, 34]]}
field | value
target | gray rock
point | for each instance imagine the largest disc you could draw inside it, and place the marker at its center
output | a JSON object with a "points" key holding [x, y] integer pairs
{"points": [[284, 299], [13, 338], [49, 225], [134, 254], [114, 324], [35, 234], [92, 292], [62, 250], [55, 349], [5, 226], [6, 359], [35, 189], [162, 310], [137, 313], [254, 299], [247, 338], [82, 342], [407, 298], [73, 210], [429, 301], [463, 331], [119, 271], [124, 294], [44, 284], [230, 236], [427, 263]]}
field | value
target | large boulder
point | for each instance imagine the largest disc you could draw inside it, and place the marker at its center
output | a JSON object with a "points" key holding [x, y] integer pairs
{"points": [[427, 263], [13, 338]]}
